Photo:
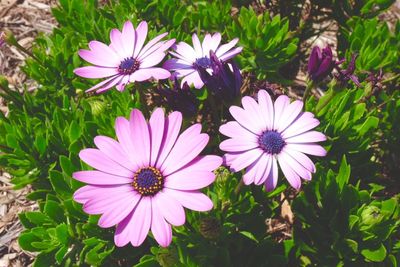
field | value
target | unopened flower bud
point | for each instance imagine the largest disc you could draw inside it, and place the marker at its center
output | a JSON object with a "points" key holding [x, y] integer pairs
{"points": [[321, 63], [167, 257]]}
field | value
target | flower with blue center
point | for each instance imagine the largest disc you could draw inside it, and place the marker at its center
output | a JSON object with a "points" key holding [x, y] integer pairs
{"points": [[126, 59], [265, 134], [188, 60]]}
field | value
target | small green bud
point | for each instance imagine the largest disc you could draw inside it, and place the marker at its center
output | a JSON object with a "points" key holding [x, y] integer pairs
{"points": [[97, 106], [79, 92], [371, 215], [9, 38]]}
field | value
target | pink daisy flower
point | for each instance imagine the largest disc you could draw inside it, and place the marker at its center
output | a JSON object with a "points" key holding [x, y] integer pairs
{"points": [[189, 59], [265, 134], [145, 179], [125, 60]]}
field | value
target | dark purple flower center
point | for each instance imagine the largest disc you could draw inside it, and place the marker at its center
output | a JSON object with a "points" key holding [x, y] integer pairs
{"points": [[271, 142], [203, 62], [148, 181], [128, 65]]}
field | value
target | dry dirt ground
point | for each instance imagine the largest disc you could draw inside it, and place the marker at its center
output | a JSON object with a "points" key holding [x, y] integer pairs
{"points": [[25, 18]]}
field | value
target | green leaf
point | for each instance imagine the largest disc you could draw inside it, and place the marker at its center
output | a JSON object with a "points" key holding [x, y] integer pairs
{"points": [[38, 218], [249, 236], [62, 233], [370, 123], [74, 131], [25, 241], [59, 185], [54, 211], [352, 244], [375, 255], [344, 173]]}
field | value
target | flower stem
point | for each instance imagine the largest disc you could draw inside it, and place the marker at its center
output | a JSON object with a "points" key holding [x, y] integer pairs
{"points": [[11, 40], [310, 86]]}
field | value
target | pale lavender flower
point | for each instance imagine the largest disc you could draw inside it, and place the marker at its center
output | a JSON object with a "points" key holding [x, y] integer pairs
{"points": [[265, 134], [189, 59], [144, 180], [125, 60]]}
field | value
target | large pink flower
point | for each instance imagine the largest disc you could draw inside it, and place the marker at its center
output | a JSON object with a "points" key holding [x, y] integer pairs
{"points": [[143, 180], [125, 60], [265, 134], [189, 59]]}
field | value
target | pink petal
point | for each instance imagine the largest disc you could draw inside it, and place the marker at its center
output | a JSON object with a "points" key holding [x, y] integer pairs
{"points": [[311, 149], [308, 137], [102, 162], [140, 137], [179, 56], [87, 192], [280, 105], [290, 174], [150, 44], [176, 64], [247, 120], [104, 52], [302, 159], [136, 226], [267, 109], [100, 59], [120, 211], [206, 45], [170, 208], [233, 129], [197, 46], [145, 74], [257, 170], [193, 200], [156, 126], [100, 178], [152, 60], [251, 107], [124, 81], [105, 83], [245, 159], [189, 180], [123, 131], [123, 49], [173, 126], [188, 146], [289, 115], [111, 147], [186, 51], [231, 54], [295, 165], [102, 199], [264, 168], [204, 163], [155, 52], [95, 72], [300, 125], [141, 34], [237, 144], [109, 85], [226, 47], [128, 37], [193, 79], [272, 180], [161, 230], [215, 41]]}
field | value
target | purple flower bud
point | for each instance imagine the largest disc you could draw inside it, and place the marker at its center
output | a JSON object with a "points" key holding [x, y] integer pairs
{"points": [[321, 63], [180, 99], [225, 79], [344, 75]]}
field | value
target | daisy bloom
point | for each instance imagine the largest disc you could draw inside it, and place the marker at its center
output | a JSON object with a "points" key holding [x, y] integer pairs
{"points": [[125, 60], [189, 59], [265, 134], [144, 180]]}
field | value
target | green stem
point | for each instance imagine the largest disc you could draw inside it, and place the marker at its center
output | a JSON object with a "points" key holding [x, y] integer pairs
{"points": [[239, 187], [310, 86]]}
